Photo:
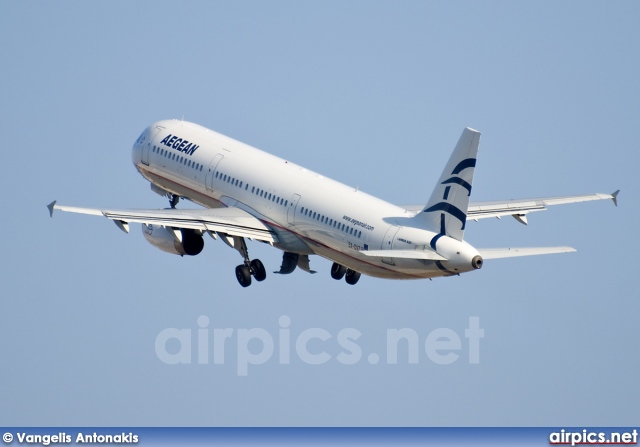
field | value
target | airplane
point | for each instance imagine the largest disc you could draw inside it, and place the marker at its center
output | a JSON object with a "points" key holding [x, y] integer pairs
{"points": [[250, 194]]}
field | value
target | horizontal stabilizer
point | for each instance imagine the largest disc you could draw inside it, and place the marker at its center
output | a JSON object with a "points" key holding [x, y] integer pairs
{"points": [[484, 210], [405, 254], [497, 253]]}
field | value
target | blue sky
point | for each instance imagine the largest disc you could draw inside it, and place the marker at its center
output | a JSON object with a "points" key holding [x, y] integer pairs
{"points": [[373, 94]]}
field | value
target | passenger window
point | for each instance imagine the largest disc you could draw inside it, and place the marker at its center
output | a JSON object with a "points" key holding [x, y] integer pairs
{"points": [[286, 202], [253, 189]]}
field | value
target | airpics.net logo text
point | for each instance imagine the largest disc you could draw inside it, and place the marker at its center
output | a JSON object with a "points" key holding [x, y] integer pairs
{"points": [[257, 346]]}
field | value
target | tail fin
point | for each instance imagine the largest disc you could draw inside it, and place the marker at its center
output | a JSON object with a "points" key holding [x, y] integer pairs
{"points": [[446, 211]]}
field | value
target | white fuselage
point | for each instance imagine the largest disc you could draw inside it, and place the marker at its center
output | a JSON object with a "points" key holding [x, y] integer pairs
{"points": [[310, 214]]}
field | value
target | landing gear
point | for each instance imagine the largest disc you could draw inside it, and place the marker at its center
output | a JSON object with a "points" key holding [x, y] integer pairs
{"points": [[338, 271], [352, 277], [243, 275], [173, 201], [257, 270], [250, 268]]}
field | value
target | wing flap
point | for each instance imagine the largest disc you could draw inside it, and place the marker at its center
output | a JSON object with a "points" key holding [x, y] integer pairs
{"points": [[232, 221], [498, 253]]}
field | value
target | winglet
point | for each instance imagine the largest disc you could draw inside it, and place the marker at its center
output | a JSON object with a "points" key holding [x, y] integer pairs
{"points": [[51, 207], [614, 197]]}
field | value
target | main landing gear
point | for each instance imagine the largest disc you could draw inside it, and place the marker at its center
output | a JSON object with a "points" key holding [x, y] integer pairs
{"points": [[339, 271], [245, 271], [250, 268]]}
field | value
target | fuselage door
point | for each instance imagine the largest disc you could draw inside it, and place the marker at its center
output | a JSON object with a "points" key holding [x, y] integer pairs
{"points": [[212, 170], [147, 142], [291, 212], [387, 242]]}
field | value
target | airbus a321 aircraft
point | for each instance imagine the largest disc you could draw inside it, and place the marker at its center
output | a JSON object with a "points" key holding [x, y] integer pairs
{"points": [[250, 194]]}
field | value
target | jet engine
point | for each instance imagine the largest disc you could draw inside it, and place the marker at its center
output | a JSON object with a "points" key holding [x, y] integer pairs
{"points": [[176, 241]]}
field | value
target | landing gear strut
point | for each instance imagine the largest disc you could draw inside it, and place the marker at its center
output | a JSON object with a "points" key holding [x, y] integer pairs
{"points": [[173, 201]]}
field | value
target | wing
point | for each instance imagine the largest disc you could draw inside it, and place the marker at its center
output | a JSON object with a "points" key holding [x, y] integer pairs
{"points": [[232, 221], [519, 208], [497, 253]]}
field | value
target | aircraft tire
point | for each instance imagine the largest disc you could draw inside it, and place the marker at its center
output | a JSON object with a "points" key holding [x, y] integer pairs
{"points": [[243, 275], [352, 277], [338, 271], [259, 273]]}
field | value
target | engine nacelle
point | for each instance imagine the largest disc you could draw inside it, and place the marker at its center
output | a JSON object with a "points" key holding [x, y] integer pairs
{"points": [[178, 242]]}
